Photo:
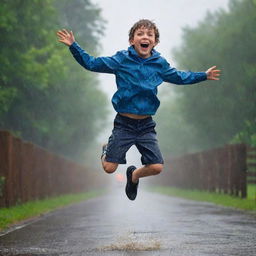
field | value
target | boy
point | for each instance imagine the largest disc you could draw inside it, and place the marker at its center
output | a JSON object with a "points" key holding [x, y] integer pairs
{"points": [[139, 71]]}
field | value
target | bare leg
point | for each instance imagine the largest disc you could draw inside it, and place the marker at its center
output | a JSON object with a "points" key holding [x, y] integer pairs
{"points": [[108, 166], [147, 170]]}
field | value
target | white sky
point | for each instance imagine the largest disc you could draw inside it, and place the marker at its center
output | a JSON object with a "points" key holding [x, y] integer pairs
{"points": [[169, 15]]}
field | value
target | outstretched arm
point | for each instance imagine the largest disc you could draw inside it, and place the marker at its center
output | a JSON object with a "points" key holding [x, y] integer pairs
{"points": [[213, 73], [66, 37], [172, 75], [100, 64]]}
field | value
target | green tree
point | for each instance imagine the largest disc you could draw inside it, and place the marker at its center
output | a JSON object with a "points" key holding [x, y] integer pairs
{"points": [[45, 96], [217, 111]]}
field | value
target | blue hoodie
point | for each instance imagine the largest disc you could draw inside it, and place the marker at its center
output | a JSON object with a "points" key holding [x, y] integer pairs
{"points": [[137, 79]]}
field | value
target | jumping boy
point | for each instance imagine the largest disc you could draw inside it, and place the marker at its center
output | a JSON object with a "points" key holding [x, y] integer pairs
{"points": [[139, 71]]}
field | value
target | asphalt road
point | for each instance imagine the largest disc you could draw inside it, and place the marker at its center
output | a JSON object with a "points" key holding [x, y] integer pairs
{"points": [[152, 225]]}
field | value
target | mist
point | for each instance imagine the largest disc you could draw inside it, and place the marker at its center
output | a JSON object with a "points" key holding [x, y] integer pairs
{"points": [[170, 17], [48, 99]]}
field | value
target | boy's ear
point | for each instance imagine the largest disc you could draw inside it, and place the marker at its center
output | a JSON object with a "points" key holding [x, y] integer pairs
{"points": [[131, 42]]}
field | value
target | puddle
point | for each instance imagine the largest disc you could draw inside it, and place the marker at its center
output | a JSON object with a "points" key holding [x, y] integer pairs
{"points": [[134, 241]]}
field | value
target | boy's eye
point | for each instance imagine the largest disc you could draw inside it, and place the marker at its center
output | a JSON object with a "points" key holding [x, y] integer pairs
{"points": [[141, 33]]}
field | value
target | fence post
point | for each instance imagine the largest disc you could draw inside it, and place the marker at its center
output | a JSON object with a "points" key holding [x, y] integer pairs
{"points": [[243, 168], [5, 163], [237, 170], [211, 186], [23, 174], [16, 170]]}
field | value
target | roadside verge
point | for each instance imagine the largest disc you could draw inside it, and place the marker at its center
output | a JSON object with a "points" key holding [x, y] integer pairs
{"points": [[32, 209], [248, 204]]}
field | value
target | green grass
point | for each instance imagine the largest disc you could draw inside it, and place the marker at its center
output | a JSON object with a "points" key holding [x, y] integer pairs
{"points": [[251, 192], [221, 199], [31, 209]]}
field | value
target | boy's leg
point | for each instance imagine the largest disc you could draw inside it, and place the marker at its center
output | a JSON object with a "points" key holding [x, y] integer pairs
{"points": [[121, 139], [147, 170], [151, 158], [151, 155], [108, 166], [134, 174]]}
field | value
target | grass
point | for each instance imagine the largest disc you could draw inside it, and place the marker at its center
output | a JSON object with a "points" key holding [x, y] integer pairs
{"points": [[32, 209], [220, 199], [15, 214]]}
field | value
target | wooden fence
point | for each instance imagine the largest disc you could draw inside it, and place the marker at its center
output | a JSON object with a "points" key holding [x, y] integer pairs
{"points": [[220, 170], [251, 165], [28, 172]]}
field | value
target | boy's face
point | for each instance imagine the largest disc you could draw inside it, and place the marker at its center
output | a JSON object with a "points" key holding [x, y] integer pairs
{"points": [[144, 41]]}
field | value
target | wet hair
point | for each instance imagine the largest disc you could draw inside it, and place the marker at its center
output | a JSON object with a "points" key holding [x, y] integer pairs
{"points": [[144, 23]]}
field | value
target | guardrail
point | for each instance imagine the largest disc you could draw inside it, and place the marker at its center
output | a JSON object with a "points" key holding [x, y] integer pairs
{"points": [[29, 172], [220, 170], [251, 165]]}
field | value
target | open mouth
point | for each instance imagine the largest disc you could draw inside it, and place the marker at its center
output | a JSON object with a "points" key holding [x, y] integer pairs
{"points": [[145, 46]]}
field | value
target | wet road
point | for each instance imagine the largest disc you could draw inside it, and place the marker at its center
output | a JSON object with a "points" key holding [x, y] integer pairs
{"points": [[152, 225]]}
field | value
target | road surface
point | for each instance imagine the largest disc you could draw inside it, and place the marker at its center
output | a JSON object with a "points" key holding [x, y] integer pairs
{"points": [[153, 224]]}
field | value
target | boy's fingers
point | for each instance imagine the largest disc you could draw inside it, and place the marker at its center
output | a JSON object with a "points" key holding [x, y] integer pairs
{"points": [[62, 33], [65, 31], [59, 33], [61, 37]]}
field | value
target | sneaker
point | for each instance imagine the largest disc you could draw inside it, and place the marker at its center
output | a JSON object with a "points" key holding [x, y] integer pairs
{"points": [[104, 150], [131, 188]]}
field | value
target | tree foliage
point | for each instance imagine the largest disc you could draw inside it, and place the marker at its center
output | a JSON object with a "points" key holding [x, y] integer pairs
{"points": [[45, 96], [215, 113]]}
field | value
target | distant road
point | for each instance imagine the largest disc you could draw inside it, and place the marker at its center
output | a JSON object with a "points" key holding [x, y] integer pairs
{"points": [[152, 225]]}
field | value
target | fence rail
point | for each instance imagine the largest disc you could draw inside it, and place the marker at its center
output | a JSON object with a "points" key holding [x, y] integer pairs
{"points": [[220, 170], [29, 172], [251, 165]]}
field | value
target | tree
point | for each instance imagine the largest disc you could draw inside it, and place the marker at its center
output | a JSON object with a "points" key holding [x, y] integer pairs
{"points": [[217, 112], [47, 98]]}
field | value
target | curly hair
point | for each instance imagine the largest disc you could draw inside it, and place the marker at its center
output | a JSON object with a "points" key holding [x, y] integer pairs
{"points": [[145, 24]]}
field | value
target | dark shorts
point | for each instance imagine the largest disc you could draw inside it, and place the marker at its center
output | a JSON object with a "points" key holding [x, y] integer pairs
{"points": [[128, 132]]}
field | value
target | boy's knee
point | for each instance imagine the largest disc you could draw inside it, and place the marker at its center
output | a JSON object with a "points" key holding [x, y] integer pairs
{"points": [[110, 167], [156, 168]]}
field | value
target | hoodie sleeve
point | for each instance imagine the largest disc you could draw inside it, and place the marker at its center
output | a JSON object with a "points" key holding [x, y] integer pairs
{"points": [[172, 75], [99, 64]]}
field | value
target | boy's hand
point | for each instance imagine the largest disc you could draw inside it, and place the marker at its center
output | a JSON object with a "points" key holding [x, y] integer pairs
{"points": [[213, 73], [66, 37]]}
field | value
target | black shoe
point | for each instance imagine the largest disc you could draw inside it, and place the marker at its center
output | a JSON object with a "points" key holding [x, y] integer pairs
{"points": [[104, 150], [131, 188]]}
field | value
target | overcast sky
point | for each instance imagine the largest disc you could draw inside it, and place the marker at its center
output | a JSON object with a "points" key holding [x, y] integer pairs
{"points": [[169, 15]]}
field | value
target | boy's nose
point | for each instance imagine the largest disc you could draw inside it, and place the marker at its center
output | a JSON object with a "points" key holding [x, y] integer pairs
{"points": [[145, 37]]}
